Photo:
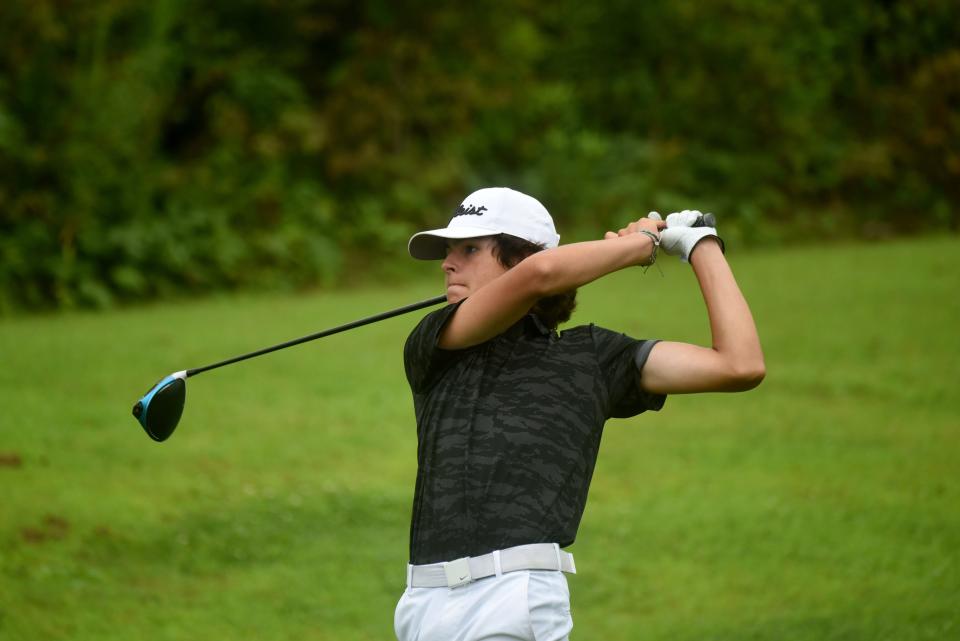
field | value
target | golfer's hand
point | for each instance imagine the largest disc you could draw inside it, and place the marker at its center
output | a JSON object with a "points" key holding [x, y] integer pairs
{"points": [[648, 226], [681, 237]]}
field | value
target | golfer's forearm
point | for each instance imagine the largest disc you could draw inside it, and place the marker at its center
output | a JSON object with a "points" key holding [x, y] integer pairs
{"points": [[570, 266], [501, 303], [731, 323]]}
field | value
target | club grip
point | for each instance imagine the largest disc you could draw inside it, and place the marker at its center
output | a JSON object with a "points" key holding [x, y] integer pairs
{"points": [[707, 220]]}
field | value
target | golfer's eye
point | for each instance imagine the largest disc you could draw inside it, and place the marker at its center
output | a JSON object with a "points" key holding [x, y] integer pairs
{"points": [[462, 249]]}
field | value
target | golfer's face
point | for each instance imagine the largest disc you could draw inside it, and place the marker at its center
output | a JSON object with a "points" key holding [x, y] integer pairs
{"points": [[469, 265]]}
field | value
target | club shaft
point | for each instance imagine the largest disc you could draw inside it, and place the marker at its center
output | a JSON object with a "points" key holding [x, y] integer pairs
{"points": [[327, 332], [707, 220]]}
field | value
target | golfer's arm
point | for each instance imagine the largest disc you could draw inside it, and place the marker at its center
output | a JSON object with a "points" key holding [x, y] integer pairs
{"points": [[735, 361], [492, 309]]}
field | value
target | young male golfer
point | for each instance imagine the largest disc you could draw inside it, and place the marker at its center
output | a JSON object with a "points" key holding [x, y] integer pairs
{"points": [[510, 413]]}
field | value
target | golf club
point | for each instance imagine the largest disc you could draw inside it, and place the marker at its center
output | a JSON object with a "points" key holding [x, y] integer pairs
{"points": [[160, 408]]}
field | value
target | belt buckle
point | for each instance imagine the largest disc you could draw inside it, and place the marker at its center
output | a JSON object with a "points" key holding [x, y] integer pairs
{"points": [[458, 572]]}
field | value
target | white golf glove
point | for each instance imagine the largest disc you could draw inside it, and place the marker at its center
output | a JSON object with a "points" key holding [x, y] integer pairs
{"points": [[680, 237]]}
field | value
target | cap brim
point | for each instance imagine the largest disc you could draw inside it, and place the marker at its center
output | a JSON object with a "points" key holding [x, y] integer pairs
{"points": [[432, 244]]}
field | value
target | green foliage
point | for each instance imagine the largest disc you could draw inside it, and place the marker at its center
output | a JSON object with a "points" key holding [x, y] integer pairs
{"points": [[767, 112], [155, 149]]}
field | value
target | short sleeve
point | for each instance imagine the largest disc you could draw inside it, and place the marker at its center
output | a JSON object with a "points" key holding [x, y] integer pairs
{"points": [[422, 358], [621, 359]]}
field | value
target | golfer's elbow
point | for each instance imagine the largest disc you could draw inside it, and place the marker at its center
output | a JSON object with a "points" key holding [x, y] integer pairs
{"points": [[746, 374], [542, 275]]}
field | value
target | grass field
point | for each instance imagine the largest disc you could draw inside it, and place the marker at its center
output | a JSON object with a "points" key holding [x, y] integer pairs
{"points": [[824, 505]]}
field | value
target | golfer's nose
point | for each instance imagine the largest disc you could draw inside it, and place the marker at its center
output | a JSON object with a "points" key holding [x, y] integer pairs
{"points": [[449, 264]]}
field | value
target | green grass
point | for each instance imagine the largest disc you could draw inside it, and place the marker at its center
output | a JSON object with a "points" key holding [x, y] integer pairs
{"points": [[825, 505]]}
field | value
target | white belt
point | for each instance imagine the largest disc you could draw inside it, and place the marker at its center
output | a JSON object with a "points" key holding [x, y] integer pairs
{"points": [[453, 574]]}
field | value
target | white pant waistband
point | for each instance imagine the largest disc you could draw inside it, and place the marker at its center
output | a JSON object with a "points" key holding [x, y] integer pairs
{"points": [[452, 574]]}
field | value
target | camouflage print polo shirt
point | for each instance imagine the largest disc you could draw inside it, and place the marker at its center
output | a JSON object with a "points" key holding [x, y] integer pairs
{"points": [[509, 430]]}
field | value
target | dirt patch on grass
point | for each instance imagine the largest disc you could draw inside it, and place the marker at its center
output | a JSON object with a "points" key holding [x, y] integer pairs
{"points": [[52, 528], [10, 459]]}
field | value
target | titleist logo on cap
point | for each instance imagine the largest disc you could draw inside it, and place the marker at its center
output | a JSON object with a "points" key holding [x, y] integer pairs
{"points": [[472, 210]]}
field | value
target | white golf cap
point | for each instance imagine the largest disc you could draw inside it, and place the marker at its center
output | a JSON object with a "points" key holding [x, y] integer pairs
{"points": [[488, 212]]}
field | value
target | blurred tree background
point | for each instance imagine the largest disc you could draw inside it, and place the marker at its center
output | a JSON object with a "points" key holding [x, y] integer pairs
{"points": [[152, 149]]}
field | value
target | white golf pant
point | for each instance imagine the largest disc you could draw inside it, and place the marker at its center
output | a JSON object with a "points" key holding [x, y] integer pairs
{"points": [[526, 605]]}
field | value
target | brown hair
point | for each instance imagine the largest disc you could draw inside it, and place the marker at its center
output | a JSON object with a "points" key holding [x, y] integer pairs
{"points": [[552, 310]]}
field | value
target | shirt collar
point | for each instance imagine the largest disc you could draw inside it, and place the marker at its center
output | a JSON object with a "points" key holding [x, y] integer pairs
{"points": [[535, 325]]}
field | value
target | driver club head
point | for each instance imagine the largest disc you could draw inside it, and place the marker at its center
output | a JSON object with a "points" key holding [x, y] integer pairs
{"points": [[160, 408]]}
